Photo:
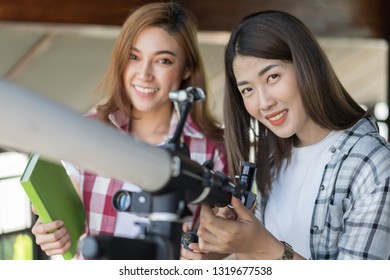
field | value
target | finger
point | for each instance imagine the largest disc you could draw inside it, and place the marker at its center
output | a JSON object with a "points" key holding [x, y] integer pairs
{"points": [[253, 207], [182, 257], [33, 210], [40, 228], [192, 255], [243, 213], [56, 252], [185, 227], [58, 243], [54, 237], [196, 248], [227, 213], [58, 248], [205, 246], [212, 226], [209, 232], [206, 218], [206, 210]]}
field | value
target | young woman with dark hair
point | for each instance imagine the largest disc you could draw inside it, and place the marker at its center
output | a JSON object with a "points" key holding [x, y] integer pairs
{"points": [[323, 172]]}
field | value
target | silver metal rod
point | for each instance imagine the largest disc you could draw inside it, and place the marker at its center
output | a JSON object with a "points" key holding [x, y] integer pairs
{"points": [[31, 123]]}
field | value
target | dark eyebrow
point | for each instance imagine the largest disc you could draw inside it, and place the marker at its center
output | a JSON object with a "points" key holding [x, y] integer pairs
{"points": [[166, 52], [261, 73], [158, 53], [267, 68]]}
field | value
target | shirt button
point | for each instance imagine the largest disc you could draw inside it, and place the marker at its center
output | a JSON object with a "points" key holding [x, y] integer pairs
{"points": [[332, 149], [322, 187], [315, 228]]}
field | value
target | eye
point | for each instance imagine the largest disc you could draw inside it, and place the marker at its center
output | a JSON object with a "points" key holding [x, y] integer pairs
{"points": [[164, 61], [246, 91], [272, 77], [132, 57]]}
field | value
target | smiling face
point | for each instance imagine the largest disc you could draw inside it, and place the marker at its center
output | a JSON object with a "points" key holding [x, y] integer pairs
{"points": [[156, 67], [270, 93]]}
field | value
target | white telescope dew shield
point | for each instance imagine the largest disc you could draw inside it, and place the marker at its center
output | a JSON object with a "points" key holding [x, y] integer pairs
{"points": [[31, 123]]}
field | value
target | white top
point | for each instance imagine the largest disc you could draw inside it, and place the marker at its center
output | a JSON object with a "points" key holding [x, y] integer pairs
{"points": [[289, 209]]}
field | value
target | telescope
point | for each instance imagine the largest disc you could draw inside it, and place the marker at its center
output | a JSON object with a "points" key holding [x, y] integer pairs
{"points": [[32, 123]]}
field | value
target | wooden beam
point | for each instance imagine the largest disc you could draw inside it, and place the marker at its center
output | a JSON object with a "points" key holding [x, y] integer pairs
{"points": [[105, 12], [347, 18]]}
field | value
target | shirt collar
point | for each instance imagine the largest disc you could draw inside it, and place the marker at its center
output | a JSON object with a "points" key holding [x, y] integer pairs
{"points": [[119, 120]]}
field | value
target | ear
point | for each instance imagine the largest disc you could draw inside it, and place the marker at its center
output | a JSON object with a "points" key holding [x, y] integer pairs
{"points": [[186, 74]]}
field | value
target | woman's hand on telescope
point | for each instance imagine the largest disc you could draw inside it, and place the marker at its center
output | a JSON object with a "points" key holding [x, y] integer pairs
{"points": [[230, 230], [193, 253]]}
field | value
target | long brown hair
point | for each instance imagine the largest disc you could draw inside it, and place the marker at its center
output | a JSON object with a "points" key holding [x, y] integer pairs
{"points": [[279, 35], [182, 25]]}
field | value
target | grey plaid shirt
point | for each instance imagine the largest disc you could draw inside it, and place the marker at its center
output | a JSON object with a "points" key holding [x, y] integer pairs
{"points": [[351, 217]]}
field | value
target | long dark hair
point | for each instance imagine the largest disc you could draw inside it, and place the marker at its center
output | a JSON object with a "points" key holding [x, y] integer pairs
{"points": [[279, 35]]}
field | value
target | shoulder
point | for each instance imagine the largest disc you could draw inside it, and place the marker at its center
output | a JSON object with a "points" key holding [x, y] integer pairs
{"points": [[372, 143], [363, 155], [366, 166], [367, 144], [366, 140], [372, 151], [363, 138]]}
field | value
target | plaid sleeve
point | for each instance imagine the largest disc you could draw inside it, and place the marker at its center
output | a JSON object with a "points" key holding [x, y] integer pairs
{"points": [[360, 212]]}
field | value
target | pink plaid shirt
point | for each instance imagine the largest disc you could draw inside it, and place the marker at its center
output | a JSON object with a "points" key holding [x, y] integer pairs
{"points": [[98, 191]]}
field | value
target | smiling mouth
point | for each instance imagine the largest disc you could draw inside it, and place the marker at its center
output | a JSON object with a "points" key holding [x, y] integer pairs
{"points": [[145, 90], [277, 118]]}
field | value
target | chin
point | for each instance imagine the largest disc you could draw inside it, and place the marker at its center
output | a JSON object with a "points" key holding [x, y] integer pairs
{"points": [[282, 133]]}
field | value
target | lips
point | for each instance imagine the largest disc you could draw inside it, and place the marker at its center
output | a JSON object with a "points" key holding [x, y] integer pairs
{"points": [[277, 118]]}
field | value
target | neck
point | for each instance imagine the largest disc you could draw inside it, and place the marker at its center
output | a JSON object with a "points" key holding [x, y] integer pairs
{"points": [[151, 128], [314, 134]]}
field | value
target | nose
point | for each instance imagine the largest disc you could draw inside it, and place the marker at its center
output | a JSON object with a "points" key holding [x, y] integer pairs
{"points": [[265, 100], [145, 71]]}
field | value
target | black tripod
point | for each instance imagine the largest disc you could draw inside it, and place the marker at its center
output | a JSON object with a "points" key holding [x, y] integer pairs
{"points": [[194, 183]]}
